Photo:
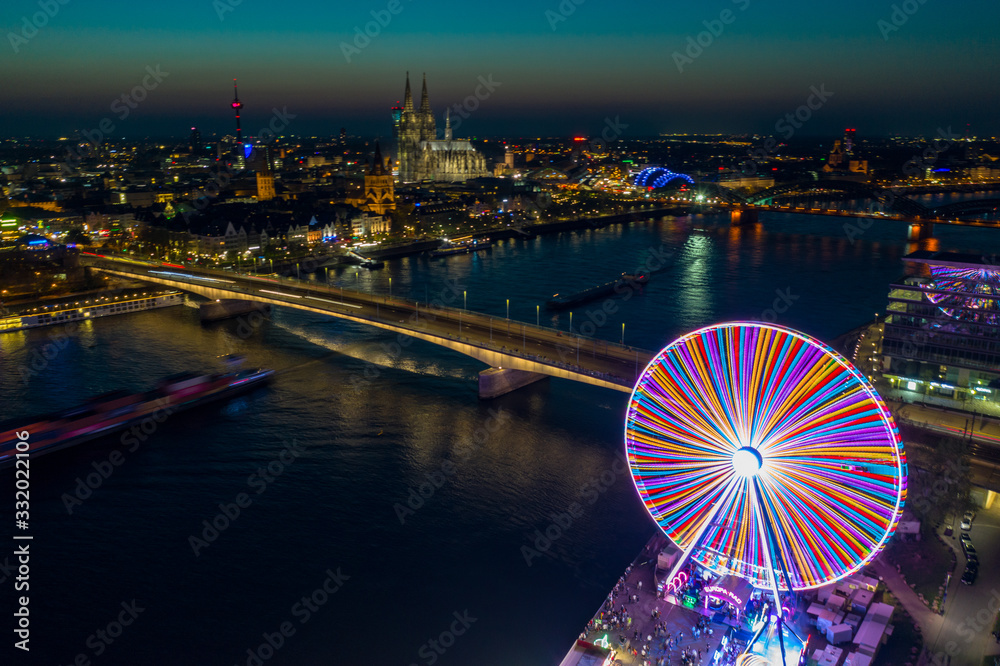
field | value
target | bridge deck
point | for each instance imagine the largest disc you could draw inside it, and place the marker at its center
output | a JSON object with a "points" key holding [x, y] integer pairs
{"points": [[496, 341]]}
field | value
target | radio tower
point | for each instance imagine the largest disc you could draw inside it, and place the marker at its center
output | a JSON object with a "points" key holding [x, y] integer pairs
{"points": [[237, 105]]}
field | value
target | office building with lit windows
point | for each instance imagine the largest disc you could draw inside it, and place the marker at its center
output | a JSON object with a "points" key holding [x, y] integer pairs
{"points": [[941, 341]]}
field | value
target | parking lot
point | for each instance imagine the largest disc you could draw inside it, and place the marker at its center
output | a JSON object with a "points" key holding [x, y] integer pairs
{"points": [[970, 610]]}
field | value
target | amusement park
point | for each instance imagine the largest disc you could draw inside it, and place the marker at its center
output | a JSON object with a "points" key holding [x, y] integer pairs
{"points": [[776, 475]]}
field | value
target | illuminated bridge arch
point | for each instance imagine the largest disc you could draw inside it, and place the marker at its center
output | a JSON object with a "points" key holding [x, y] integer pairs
{"points": [[656, 177], [975, 207], [842, 189]]}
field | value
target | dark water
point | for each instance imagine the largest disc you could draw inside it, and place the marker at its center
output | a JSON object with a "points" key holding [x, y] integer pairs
{"points": [[368, 426]]}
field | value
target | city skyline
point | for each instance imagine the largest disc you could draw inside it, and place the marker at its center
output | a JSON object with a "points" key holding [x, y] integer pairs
{"points": [[557, 70]]}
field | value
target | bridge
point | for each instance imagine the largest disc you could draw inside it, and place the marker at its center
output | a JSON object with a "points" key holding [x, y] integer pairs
{"points": [[891, 205], [517, 353]]}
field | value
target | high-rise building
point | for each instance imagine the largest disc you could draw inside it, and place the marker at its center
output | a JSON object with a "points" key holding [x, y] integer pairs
{"points": [[396, 113], [195, 141], [941, 342]]}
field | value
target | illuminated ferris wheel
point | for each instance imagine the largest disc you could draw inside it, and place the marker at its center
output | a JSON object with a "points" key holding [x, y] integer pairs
{"points": [[764, 454]]}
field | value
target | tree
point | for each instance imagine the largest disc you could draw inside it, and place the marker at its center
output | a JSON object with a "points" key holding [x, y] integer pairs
{"points": [[76, 236]]}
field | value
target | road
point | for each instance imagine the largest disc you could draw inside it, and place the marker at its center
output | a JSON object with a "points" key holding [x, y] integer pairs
{"points": [[608, 361], [970, 610]]}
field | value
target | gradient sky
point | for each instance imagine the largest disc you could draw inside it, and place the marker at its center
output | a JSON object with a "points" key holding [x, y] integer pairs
{"points": [[606, 60]]}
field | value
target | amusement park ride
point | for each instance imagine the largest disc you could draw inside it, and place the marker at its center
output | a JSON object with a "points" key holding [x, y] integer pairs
{"points": [[764, 454]]}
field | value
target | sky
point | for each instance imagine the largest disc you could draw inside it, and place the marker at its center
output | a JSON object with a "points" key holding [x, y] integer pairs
{"points": [[554, 67]]}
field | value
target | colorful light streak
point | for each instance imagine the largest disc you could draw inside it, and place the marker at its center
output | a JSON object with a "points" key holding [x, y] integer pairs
{"points": [[972, 293], [833, 474]]}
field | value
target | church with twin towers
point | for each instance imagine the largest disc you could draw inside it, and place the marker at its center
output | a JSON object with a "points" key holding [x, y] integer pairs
{"points": [[424, 157]]}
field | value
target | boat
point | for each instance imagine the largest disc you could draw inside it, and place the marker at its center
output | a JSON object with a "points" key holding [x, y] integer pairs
{"points": [[619, 286], [111, 412], [463, 247]]}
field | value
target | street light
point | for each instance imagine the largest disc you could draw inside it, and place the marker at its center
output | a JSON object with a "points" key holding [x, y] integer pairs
{"points": [[465, 300], [390, 287], [623, 334], [538, 315]]}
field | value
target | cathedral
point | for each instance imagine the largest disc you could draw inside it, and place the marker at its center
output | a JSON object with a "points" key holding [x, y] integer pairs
{"points": [[422, 156]]}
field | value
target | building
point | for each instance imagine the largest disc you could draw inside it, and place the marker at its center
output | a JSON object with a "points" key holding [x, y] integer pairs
{"points": [[422, 156], [367, 225], [379, 196], [941, 342]]}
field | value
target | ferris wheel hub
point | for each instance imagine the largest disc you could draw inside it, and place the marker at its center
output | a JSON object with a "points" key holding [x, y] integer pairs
{"points": [[747, 461]]}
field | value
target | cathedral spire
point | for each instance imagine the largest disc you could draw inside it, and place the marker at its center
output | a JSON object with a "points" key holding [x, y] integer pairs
{"points": [[447, 124], [408, 97], [425, 105]]}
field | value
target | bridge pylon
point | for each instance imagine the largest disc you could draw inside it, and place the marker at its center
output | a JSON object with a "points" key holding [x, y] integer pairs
{"points": [[920, 231], [743, 216]]}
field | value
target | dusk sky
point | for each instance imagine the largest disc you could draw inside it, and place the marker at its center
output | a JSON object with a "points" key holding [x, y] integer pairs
{"points": [[605, 60]]}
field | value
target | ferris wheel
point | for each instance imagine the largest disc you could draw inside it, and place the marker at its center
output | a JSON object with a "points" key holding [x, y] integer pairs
{"points": [[764, 454]]}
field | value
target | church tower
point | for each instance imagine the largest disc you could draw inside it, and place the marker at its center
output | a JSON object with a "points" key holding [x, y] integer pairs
{"points": [[408, 137], [379, 195], [428, 126]]}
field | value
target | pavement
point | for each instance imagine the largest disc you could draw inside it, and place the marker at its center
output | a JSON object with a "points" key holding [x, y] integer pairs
{"points": [[638, 581]]}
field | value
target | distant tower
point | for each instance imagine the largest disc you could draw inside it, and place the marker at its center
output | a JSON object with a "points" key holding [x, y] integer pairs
{"points": [[195, 141], [379, 195], [447, 124], [237, 105], [265, 185], [265, 173], [849, 141], [343, 136]]}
